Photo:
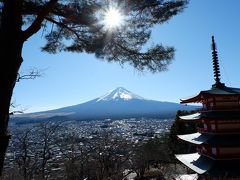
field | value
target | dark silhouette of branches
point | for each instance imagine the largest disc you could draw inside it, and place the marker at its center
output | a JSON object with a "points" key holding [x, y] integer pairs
{"points": [[32, 74], [40, 153], [16, 109], [26, 162]]}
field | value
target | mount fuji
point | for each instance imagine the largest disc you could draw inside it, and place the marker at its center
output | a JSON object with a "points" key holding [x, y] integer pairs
{"points": [[118, 103]]}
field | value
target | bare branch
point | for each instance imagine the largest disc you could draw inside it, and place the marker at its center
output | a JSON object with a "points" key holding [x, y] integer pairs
{"points": [[16, 106], [33, 74]]}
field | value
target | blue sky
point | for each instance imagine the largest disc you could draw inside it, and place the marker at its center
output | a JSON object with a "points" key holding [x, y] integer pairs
{"points": [[71, 78]]}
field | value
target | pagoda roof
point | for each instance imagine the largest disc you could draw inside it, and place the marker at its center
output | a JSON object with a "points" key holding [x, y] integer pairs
{"points": [[195, 116], [216, 91], [224, 90], [204, 165], [195, 138], [200, 164], [213, 140], [219, 115]]}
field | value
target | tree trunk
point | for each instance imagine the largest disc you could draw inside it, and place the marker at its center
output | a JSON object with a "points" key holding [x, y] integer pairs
{"points": [[11, 44], [8, 76]]}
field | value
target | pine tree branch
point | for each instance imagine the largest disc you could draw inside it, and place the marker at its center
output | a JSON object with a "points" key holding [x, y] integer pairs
{"points": [[62, 25], [36, 25]]}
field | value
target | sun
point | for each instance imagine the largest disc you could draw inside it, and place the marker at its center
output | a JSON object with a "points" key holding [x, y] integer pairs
{"points": [[113, 18]]}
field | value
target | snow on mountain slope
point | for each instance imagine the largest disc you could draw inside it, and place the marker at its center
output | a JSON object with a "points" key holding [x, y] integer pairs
{"points": [[119, 93], [118, 103]]}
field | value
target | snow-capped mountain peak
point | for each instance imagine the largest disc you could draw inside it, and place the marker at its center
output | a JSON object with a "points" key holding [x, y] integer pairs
{"points": [[119, 93], [117, 104]]}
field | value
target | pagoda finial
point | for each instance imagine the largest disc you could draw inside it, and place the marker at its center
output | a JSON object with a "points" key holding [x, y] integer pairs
{"points": [[216, 69]]}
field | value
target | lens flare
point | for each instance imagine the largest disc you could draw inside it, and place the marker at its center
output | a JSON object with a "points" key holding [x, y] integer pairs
{"points": [[113, 18]]}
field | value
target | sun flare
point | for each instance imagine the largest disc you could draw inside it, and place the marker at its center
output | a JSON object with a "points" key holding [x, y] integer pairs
{"points": [[113, 18]]}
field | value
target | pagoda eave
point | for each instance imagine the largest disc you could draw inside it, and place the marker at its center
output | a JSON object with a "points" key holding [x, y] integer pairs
{"points": [[213, 116], [196, 162], [211, 139], [192, 117], [193, 99], [215, 92], [195, 138], [204, 165]]}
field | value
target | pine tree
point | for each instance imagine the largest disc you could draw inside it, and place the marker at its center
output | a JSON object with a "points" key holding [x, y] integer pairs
{"points": [[75, 25]]}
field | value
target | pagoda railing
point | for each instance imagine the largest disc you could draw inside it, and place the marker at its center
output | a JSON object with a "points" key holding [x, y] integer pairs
{"points": [[218, 131], [232, 108]]}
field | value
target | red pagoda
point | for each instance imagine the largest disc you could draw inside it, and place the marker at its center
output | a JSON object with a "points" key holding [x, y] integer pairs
{"points": [[218, 138]]}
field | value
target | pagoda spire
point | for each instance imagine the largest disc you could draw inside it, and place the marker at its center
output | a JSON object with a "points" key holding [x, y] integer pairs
{"points": [[216, 69]]}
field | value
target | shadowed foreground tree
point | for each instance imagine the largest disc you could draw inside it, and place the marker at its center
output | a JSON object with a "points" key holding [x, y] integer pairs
{"points": [[25, 161], [180, 128], [78, 26], [33, 147], [111, 157], [154, 152], [46, 133]]}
